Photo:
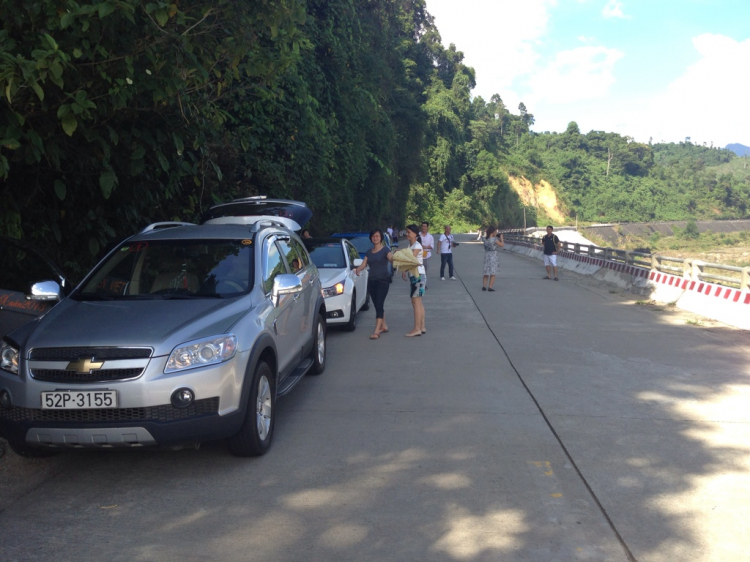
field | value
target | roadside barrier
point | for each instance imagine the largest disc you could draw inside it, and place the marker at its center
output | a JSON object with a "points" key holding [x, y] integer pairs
{"points": [[717, 291]]}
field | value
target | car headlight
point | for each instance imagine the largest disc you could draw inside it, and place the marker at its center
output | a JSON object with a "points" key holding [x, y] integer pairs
{"points": [[199, 353], [337, 289], [9, 358]]}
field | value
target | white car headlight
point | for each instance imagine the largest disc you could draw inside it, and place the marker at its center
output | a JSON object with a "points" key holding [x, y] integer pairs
{"points": [[337, 289], [9, 358], [198, 353]]}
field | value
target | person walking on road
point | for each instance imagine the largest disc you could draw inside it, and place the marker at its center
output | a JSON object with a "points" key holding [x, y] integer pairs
{"points": [[379, 279], [491, 244], [551, 247], [445, 249], [416, 287], [428, 244]]}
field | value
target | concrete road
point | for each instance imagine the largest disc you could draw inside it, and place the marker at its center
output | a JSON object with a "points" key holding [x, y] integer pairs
{"points": [[543, 422]]}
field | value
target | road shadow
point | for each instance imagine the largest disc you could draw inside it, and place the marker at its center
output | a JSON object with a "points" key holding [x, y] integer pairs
{"points": [[604, 419]]}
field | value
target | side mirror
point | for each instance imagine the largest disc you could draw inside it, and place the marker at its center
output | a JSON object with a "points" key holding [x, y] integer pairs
{"points": [[45, 291], [357, 262], [286, 284]]}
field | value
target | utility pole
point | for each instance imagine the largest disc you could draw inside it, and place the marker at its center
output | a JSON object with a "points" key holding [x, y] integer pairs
{"points": [[524, 220]]}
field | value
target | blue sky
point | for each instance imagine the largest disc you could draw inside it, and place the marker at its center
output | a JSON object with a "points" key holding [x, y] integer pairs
{"points": [[649, 69]]}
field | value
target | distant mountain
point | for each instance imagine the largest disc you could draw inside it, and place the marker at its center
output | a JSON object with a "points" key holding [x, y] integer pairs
{"points": [[739, 149]]}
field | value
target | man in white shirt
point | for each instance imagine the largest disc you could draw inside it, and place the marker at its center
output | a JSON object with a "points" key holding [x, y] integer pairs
{"points": [[428, 244], [445, 249]]}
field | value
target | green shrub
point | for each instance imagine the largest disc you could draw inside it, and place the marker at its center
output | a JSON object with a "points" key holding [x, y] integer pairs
{"points": [[691, 230]]}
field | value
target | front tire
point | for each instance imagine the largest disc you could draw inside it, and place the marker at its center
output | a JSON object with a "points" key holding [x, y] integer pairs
{"points": [[254, 437], [318, 353]]}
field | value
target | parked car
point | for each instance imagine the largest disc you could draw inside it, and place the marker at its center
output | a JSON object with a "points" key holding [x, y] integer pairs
{"points": [[183, 333], [345, 291], [293, 214], [22, 266], [361, 241]]}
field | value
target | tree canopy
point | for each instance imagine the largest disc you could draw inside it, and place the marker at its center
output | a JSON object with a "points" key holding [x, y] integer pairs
{"points": [[118, 113]]}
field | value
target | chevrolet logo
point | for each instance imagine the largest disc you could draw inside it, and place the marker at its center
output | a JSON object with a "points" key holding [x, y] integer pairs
{"points": [[84, 366]]}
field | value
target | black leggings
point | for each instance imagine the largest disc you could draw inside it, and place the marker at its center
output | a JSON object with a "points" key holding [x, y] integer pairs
{"points": [[378, 289]]}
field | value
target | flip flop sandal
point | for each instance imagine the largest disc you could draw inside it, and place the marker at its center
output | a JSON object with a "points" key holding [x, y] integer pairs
{"points": [[375, 337]]}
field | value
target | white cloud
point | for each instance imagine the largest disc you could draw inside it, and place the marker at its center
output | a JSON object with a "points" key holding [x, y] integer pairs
{"points": [[580, 74], [613, 9], [710, 102], [500, 42]]}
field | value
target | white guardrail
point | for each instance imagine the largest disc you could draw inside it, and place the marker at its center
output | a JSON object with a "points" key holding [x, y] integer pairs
{"points": [[689, 268]]}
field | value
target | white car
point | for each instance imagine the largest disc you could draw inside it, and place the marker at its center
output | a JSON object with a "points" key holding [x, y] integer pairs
{"points": [[345, 292]]}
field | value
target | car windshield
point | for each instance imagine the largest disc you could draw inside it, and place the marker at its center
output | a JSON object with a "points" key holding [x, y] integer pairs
{"points": [[327, 255], [362, 244], [161, 269]]}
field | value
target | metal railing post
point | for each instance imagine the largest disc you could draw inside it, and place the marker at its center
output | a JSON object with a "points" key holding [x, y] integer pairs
{"points": [[745, 281], [654, 262], [687, 269], [696, 270], [577, 248]]}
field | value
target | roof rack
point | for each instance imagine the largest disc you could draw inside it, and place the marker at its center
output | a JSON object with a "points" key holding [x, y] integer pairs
{"points": [[165, 225]]}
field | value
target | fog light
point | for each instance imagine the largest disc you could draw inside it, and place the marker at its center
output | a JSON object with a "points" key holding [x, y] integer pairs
{"points": [[5, 400], [182, 398]]}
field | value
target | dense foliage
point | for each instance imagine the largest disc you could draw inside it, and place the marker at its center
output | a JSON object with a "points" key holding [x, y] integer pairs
{"points": [[114, 112], [608, 177], [117, 113]]}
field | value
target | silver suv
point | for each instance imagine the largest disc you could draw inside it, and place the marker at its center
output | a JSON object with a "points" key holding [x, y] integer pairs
{"points": [[184, 333]]}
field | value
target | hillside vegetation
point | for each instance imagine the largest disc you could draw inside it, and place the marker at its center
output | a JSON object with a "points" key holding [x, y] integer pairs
{"points": [[606, 177], [117, 113]]}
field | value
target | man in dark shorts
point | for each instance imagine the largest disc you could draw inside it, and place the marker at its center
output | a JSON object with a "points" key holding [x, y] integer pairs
{"points": [[551, 247]]}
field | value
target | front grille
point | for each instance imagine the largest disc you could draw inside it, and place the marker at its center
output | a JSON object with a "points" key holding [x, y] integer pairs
{"points": [[98, 353], [164, 413], [104, 375]]}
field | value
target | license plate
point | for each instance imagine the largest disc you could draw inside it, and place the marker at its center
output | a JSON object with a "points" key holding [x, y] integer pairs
{"points": [[79, 399]]}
